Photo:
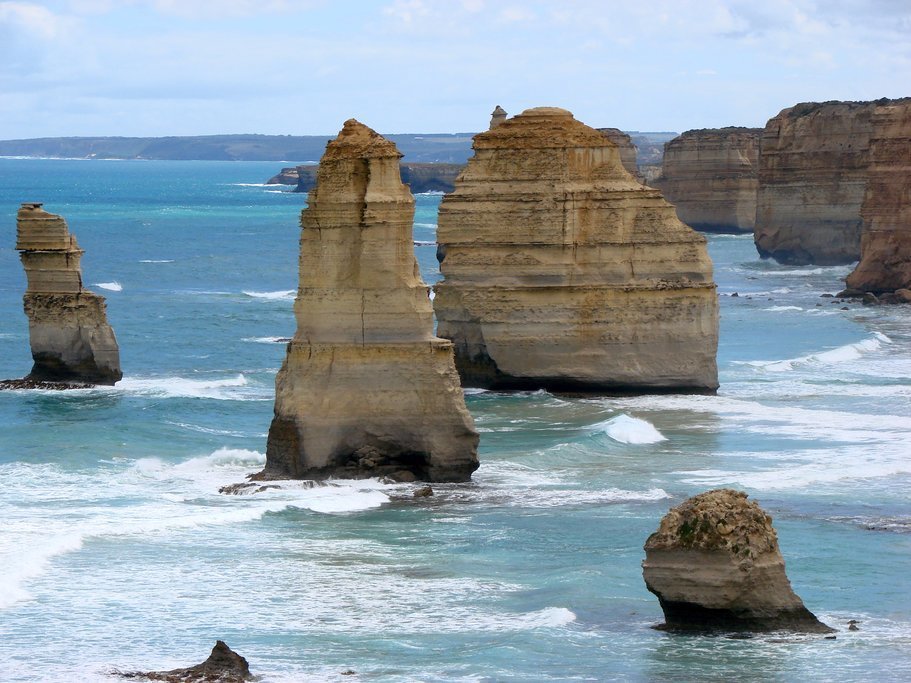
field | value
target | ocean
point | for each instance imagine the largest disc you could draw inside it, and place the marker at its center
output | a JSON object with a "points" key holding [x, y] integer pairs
{"points": [[118, 552]]}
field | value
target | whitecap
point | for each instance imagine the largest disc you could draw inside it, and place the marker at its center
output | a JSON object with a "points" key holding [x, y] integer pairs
{"points": [[423, 243], [630, 430], [180, 387], [278, 295], [841, 354], [776, 309], [29, 560], [110, 286], [151, 260], [425, 225], [266, 340]]}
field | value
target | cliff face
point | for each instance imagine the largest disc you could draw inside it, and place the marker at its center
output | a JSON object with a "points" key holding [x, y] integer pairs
{"points": [[562, 272], [626, 147], [366, 389], [885, 263], [711, 177], [70, 337], [812, 178], [714, 564], [419, 177]]}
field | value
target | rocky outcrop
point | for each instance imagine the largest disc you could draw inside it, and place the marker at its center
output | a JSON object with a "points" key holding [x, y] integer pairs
{"points": [[224, 665], [627, 149], [714, 564], [70, 337], [497, 117], [366, 389], [562, 272], [885, 262], [420, 177], [710, 175], [287, 176]]}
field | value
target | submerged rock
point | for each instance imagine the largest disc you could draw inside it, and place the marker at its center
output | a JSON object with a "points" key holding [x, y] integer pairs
{"points": [[70, 337], [710, 175], [562, 272], [366, 389], [223, 666], [715, 565]]}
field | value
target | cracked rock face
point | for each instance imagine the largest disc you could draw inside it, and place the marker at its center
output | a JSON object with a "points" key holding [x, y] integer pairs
{"points": [[70, 337], [714, 564], [366, 389], [563, 272]]}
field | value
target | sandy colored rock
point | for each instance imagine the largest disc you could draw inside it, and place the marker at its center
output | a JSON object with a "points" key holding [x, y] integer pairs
{"points": [[562, 272], [366, 389], [885, 263], [710, 175], [626, 147], [497, 117], [70, 338], [714, 564]]}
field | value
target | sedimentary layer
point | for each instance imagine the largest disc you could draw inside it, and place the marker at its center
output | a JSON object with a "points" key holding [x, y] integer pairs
{"points": [[563, 272], [626, 148], [366, 389], [710, 175], [70, 338], [714, 564], [419, 177], [885, 263]]}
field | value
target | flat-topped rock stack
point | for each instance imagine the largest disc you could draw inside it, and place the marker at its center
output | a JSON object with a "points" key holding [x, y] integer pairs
{"points": [[70, 338], [715, 565], [626, 147], [710, 175], [366, 389], [885, 262], [562, 272]]}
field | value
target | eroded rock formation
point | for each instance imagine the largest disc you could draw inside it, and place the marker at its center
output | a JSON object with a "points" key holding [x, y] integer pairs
{"points": [[714, 564], [420, 177], [710, 175], [70, 337], [366, 389], [885, 263], [627, 149], [562, 272], [223, 665], [497, 117]]}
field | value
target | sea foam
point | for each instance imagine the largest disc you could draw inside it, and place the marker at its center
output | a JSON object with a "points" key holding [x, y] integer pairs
{"points": [[279, 295], [110, 286], [631, 430], [841, 354]]}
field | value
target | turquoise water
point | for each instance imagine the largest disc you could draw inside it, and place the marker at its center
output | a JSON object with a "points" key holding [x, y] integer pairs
{"points": [[116, 550]]}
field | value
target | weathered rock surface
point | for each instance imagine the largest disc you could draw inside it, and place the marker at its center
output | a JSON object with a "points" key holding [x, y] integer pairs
{"points": [[70, 337], [497, 116], [223, 666], [421, 177], [287, 176], [562, 272], [710, 175], [626, 147], [812, 177], [366, 389], [885, 263], [714, 564]]}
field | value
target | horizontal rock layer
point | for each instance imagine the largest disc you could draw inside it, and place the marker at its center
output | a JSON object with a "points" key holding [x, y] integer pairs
{"points": [[420, 177]]}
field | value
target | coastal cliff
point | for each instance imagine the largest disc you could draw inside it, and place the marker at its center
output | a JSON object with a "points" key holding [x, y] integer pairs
{"points": [[366, 389], [419, 177], [627, 149], [710, 175], [885, 263], [70, 338], [562, 272]]}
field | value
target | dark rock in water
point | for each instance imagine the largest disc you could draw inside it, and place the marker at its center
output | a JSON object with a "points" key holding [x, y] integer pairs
{"points": [[826, 296], [715, 565], [223, 666], [423, 492], [29, 383], [849, 294], [869, 299]]}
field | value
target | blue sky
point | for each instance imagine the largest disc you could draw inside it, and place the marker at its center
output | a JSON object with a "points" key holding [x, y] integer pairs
{"points": [[193, 67]]}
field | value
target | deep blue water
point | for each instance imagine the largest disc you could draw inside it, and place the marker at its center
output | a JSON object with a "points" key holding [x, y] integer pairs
{"points": [[116, 550]]}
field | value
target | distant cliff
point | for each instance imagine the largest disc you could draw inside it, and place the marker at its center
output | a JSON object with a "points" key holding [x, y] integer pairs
{"points": [[420, 177], [710, 176]]}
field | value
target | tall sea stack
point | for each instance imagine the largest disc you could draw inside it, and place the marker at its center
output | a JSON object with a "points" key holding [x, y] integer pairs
{"points": [[69, 334], [564, 273], [366, 389]]}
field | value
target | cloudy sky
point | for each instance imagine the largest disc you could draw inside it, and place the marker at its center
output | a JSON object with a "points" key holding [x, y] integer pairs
{"points": [[192, 67]]}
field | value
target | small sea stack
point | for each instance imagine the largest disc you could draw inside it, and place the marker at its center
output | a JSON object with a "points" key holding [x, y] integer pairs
{"points": [[223, 665], [715, 565], [70, 337], [562, 272], [366, 389]]}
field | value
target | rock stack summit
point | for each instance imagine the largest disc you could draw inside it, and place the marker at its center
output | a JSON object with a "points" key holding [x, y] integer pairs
{"points": [[563, 272], [366, 389], [69, 334]]}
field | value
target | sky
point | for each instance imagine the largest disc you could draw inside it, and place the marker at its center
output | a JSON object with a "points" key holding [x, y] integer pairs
{"points": [[301, 67]]}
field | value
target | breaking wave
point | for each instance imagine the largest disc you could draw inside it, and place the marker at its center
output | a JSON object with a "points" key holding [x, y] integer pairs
{"points": [[110, 286], [631, 430], [278, 295]]}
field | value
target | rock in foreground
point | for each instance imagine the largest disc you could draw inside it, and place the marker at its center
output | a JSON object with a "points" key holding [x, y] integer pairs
{"points": [[562, 272], [715, 565], [70, 337], [366, 389], [223, 666]]}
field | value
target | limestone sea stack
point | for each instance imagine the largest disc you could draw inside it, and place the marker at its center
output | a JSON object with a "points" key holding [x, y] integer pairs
{"points": [[562, 272], [715, 565], [885, 262], [70, 337], [366, 389], [710, 175]]}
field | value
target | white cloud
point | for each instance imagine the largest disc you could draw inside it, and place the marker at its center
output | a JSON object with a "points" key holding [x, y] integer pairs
{"points": [[36, 20]]}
